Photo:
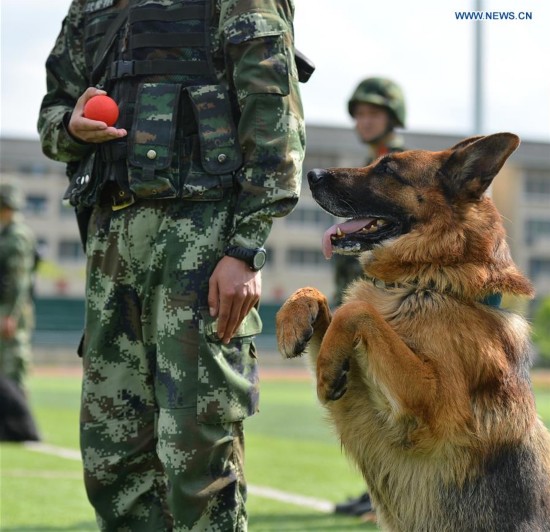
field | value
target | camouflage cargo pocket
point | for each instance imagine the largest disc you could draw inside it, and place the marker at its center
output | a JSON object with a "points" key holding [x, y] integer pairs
{"points": [[264, 59], [153, 160], [228, 382]]}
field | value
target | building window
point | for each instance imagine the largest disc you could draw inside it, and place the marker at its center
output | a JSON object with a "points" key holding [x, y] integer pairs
{"points": [[270, 252], [306, 257], [536, 229], [309, 215], [320, 160], [36, 205], [66, 211], [537, 184], [70, 250], [539, 268], [35, 168], [43, 246]]}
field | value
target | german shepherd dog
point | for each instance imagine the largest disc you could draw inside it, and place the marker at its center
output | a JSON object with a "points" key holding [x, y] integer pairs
{"points": [[424, 376]]}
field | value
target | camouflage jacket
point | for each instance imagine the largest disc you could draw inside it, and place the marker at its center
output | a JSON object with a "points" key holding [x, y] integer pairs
{"points": [[17, 260], [394, 144], [255, 39]]}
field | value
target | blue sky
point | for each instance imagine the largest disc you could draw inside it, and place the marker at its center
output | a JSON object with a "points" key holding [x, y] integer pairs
{"points": [[419, 43]]}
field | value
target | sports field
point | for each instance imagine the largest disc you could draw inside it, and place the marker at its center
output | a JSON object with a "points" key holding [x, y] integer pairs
{"points": [[295, 467]]}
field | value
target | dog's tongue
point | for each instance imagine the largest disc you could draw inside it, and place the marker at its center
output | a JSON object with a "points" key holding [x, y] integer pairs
{"points": [[351, 226]]}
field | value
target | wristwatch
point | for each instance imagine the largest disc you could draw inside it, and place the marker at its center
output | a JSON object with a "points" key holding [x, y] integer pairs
{"points": [[255, 258]]}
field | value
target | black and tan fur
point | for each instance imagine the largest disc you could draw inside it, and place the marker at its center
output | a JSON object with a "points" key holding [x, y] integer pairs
{"points": [[426, 383]]}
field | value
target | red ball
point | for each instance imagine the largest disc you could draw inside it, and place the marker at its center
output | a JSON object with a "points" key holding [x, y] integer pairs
{"points": [[101, 108]]}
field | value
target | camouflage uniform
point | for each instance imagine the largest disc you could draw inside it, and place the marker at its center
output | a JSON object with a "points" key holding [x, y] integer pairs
{"points": [[163, 400], [17, 261]]}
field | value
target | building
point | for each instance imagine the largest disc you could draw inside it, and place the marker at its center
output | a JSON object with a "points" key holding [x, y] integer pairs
{"points": [[521, 192]]}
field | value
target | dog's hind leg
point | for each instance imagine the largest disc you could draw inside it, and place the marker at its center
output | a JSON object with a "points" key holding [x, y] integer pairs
{"points": [[302, 322]]}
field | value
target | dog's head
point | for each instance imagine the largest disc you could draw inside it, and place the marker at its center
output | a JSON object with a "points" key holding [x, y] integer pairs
{"points": [[401, 192]]}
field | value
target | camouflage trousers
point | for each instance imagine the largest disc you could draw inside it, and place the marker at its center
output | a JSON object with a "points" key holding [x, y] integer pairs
{"points": [[162, 400]]}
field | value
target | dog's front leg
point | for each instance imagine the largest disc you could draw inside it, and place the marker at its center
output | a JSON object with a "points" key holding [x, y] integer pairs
{"points": [[302, 321], [358, 330]]}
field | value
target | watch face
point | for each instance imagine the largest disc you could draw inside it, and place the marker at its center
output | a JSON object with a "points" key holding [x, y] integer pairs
{"points": [[259, 259]]}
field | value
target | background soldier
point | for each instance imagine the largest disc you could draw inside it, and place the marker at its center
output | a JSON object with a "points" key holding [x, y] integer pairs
{"points": [[377, 107], [176, 202], [17, 266]]}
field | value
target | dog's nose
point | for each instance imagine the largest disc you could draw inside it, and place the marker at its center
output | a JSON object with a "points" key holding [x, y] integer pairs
{"points": [[316, 175]]}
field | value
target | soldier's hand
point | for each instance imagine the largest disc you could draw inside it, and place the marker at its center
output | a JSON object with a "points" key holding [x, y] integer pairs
{"points": [[233, 290], [8, 327], [88, 130]]}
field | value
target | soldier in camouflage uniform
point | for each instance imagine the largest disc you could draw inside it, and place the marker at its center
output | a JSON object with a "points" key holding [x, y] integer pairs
{"points": [[17, 258], [175, 202], [17, 265], [377, 107]]}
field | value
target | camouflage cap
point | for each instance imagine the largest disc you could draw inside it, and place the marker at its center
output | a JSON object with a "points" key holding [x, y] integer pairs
{"points": [[10, 196], [383, 92]]}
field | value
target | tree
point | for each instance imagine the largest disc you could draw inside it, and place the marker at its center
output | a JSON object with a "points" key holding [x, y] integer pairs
{"points": [[541, 329]]}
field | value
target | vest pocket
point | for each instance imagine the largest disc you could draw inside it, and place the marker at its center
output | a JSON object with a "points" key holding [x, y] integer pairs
{"points": [[214, 154], [153, 161], [197, 167]]}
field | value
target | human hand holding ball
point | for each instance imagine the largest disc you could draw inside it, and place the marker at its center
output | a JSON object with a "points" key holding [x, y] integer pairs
{"points": [[101, 108], [94, 117]]}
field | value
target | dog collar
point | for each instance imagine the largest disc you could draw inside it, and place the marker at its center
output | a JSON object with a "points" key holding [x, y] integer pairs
{"points": [[382, 284], [492, 300]]}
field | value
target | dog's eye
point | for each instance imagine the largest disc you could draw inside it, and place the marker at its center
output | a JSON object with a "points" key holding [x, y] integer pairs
{"points": [[385, 167]]}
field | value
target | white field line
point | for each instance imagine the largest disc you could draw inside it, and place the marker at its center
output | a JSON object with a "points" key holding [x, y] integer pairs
{"points": [[49, 475], [319, 505], [45, 448]]}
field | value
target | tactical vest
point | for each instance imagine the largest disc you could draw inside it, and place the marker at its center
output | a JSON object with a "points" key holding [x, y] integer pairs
{"points": [[156, 60]]}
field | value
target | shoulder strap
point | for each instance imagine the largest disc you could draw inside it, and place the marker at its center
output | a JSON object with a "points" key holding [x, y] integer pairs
{"points": [[107, 43]]}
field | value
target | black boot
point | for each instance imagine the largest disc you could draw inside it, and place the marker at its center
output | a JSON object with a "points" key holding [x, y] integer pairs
{"points": [[357, 506]]}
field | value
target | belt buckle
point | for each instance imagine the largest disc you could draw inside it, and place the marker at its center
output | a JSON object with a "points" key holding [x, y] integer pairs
{"points": [[123, 204]]}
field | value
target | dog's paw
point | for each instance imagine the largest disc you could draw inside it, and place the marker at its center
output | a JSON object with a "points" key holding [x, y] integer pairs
{"points": [[295, 321], [294, 330], [332, 385], [293, 341], [340, 384]]}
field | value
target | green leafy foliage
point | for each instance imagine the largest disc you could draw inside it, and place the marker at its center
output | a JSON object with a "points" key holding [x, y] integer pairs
{"points": [[541, 329]]}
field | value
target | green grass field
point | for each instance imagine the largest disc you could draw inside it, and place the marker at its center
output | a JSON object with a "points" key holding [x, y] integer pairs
{"points": [[290, 448]]}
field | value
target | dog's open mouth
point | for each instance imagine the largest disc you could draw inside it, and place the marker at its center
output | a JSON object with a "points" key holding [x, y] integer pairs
{"points": [[356, 235]]}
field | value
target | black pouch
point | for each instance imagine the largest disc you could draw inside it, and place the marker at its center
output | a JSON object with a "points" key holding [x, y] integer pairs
{"points": [[83, 185]]}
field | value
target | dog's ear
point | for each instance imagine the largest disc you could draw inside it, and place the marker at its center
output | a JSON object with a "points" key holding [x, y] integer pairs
{"points": [[474, 162], [465, 142]]}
